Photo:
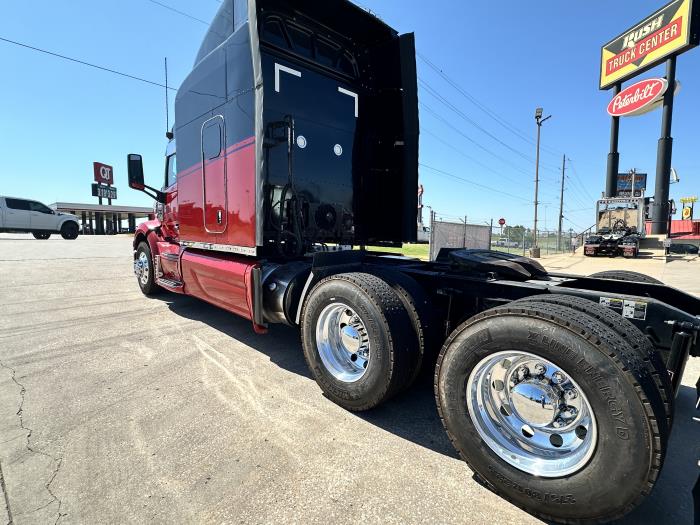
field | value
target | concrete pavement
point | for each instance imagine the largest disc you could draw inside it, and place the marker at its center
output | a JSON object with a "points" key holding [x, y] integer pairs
{"points": [[115, 408]]}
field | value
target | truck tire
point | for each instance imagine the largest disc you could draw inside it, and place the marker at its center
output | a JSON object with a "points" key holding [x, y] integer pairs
{"points": [[145, 270], [506, 383], [358, 340], [651, 358], [70, 230], [41, 236], [624, 275], [422, 316]]}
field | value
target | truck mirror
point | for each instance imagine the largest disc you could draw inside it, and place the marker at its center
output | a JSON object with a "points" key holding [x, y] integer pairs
{"points": [[135, 163], [136, 182]]}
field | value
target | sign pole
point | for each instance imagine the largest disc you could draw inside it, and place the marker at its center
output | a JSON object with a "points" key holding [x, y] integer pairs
{"points": [[614, 155], [660, 210]]}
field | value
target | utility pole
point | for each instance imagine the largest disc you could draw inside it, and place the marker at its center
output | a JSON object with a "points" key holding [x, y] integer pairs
{"points": [[538, 118], [561, 203], [464, 240], [432, 232]]}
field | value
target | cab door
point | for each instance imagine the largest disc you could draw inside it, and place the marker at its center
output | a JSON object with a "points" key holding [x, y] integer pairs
{"points": [[17, 214], [42, 217], [214, 175]]}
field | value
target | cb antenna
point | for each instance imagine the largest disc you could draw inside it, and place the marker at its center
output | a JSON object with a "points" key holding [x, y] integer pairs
{"points": [[168, 134]]}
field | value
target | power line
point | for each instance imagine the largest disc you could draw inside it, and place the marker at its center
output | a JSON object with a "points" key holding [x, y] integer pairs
{"points": [[425, 130], [84, 63], [574, 197], [431, 90], [517, 132], [466, 181], [165, 6], [467, 137], [585, 190], [575, 192], [434, 93]]}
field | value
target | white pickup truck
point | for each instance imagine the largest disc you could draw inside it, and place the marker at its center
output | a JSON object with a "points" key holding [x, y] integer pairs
{"points": [[27, 216]]}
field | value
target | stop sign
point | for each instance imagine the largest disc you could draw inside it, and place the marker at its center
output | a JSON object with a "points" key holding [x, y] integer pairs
{"points": [[502, 222]]}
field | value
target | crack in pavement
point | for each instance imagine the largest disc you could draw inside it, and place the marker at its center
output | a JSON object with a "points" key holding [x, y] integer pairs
{"points": [[3, 488], [29, 431]]}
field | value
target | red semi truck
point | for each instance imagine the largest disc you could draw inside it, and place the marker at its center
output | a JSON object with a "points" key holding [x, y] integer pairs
{"points": [[296, 137]]}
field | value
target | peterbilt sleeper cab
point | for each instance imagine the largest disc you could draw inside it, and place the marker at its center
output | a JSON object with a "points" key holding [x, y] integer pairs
{"points": [[296, 137]]}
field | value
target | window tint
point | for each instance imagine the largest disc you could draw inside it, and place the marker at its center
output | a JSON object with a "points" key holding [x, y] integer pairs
{"points": [[274, 34], [288, 35], [346, 65], [302, 41], [17, 204], [212, 139], [171, 177], [37, 206], [326, 52]]}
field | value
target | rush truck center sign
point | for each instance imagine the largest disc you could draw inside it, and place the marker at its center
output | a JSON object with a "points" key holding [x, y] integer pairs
{"points": [[672, 30]]}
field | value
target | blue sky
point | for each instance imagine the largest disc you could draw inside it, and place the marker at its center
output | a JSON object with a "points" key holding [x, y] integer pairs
{"points": [[57, 117]]}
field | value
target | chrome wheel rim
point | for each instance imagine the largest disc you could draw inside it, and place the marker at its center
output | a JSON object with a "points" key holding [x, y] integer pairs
{"points": [[141, 268], [531, 414], [342, 342]]}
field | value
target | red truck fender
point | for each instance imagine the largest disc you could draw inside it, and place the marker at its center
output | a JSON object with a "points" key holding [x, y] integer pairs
{"points": [[148, 231]]}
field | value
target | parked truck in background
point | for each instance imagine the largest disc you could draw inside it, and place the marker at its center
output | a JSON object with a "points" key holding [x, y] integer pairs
{"points": [[619, 227], [29, 216], [296, 135]]}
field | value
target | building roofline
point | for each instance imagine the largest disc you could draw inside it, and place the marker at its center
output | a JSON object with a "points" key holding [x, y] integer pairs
{"points": [[103, 208]]}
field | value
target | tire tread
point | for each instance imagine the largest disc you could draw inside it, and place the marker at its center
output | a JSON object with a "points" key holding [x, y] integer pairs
{"points": [[395, 321], [651, 359], [628, 362]]}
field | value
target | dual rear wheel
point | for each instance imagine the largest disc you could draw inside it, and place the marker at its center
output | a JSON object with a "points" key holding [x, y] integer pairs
{"points": [[359, 340], [558, 404]]}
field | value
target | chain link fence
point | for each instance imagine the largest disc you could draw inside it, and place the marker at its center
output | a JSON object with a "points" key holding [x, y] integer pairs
{"points": [[483, 235], [444, 234], [520, 241]]}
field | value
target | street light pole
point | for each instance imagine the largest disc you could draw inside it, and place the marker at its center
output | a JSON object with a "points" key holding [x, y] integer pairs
{"points": [[538, 118], [561, 204]]}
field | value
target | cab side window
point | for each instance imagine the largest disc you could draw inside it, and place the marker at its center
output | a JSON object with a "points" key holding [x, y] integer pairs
{"points": [[171, 174], [17, 204], [41, 208], [212, 139]]}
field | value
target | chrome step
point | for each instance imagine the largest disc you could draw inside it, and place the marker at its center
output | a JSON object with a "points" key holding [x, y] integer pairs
{"points": [[170, 284]]}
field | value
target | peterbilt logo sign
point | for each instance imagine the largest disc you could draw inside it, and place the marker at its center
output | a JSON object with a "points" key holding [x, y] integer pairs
{"points": [[672, 30], [638, 98], [104, 174]]}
